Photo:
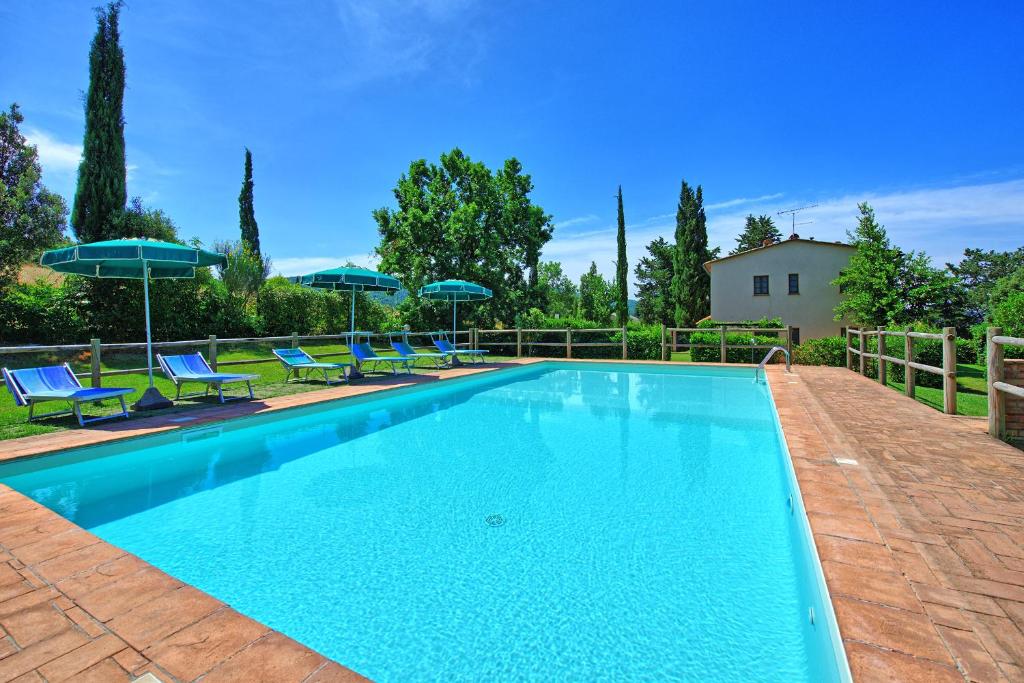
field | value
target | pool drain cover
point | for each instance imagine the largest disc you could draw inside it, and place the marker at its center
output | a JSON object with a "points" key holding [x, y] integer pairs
{"points": [[494, 520]]}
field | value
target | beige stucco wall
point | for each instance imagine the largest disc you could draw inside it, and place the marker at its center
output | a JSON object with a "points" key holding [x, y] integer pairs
{"points": [[818, 263]]}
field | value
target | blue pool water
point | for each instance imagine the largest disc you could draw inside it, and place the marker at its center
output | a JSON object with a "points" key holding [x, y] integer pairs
{"points": [[553, 522]]}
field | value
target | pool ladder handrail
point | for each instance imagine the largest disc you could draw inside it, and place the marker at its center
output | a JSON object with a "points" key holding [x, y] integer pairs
{"points": [[768, 356]]}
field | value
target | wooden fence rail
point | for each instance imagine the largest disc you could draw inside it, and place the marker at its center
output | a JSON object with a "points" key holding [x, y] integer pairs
{"points": [[947, 371], [998, 387], [210, 345], [723, 346]]}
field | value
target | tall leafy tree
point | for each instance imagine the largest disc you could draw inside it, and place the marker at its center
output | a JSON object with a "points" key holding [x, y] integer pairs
{"points": [[755, 231], [691, 284], [654, 284], [247, 212], [559, 294], [102, 187], [458, 219], [979, 271], [31, 217], [621, 270], [596, 296], [884, 285]]}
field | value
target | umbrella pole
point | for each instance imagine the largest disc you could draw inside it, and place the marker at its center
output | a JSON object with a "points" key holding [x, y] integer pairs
{"points": [[455, 330], [355, 373], [151, 399], [149, 335]]}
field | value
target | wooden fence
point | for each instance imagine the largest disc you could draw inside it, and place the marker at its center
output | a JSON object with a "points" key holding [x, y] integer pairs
{"points": [[722, 345], [528, 338], [911, 367], [998, 388], [209, 346]]}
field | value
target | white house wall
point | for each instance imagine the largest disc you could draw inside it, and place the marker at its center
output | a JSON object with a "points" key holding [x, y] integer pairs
{"points": [[817, 263]]}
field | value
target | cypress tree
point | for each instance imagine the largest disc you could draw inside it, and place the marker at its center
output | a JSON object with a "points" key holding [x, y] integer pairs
{"points": [[622, 270], [102, 188], [691, 285], [246, 211]]}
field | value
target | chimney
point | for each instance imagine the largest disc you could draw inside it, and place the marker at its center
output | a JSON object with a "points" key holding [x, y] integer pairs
{"points": [[794, 236], [767, 242]]}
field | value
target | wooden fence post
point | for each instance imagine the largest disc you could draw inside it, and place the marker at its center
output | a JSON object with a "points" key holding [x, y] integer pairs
{"points": [[949, 369], [789, 340], [996, 400], [94, 360], [909, 373], [663, 342], [723, 354], [675, 341], [295, 340], [568, 342], [881, 352], [863, 348], [849, 351], [625, 347], [212, 352], [519, 342]]}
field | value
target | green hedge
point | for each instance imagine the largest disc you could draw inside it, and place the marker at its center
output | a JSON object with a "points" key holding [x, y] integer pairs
{"points": [[713, 337], [79, 309], [825, 351]]}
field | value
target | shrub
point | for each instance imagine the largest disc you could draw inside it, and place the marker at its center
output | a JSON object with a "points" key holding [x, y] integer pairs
{"points": [[42, 314], [712, 338], [825, 351]]}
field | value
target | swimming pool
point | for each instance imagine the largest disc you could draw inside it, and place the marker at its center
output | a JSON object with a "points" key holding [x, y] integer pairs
{"points": [[560, 521]]}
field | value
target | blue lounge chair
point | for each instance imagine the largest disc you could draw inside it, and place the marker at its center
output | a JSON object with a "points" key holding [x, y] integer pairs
{"points": [[58, 383], [406, 349], [447, 348], [296, 360], [364, 353], [194, 368]]}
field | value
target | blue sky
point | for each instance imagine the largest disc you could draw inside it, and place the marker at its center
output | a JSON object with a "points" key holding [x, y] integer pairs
{"points": [[915, 107]]}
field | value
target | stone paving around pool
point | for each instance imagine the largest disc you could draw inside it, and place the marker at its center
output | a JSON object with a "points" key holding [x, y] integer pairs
{"points": [[919, 521], [918, 518]]}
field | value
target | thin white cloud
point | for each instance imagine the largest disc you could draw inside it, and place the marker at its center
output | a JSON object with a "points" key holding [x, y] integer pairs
{"points": [[54, 155], [391, 38], [578, 220], [304, 265], [741, 200], [940, 221]]}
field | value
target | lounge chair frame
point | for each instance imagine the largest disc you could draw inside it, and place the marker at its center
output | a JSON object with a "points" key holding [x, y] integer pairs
{"points": [[376, 359], [23, 398], [440, 340], [311, 365], [219, 382], [438, 359]]}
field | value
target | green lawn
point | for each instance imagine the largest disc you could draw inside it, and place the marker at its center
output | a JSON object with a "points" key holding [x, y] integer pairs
{"points": [[971, 396]]}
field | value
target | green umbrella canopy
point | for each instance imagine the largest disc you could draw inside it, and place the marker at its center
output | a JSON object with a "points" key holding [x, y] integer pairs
{"points": [[455, 290], [134, 259], [351, 279], [126, 259]]}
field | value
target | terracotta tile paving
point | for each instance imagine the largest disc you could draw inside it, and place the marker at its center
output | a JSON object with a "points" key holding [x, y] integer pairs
{"points": [[922, 546], [921, 540]]}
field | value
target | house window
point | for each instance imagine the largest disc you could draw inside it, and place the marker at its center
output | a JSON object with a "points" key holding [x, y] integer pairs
{"points": [[842, 332], [760, 285], [794, 335], [794, 283]]}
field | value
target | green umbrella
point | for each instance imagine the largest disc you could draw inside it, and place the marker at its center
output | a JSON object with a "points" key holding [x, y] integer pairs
{"points": [[351, 280], [134, 259], [455, 291]]}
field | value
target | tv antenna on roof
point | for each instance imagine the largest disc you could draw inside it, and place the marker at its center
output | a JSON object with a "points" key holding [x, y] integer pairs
{"points": [[793, 212]]}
